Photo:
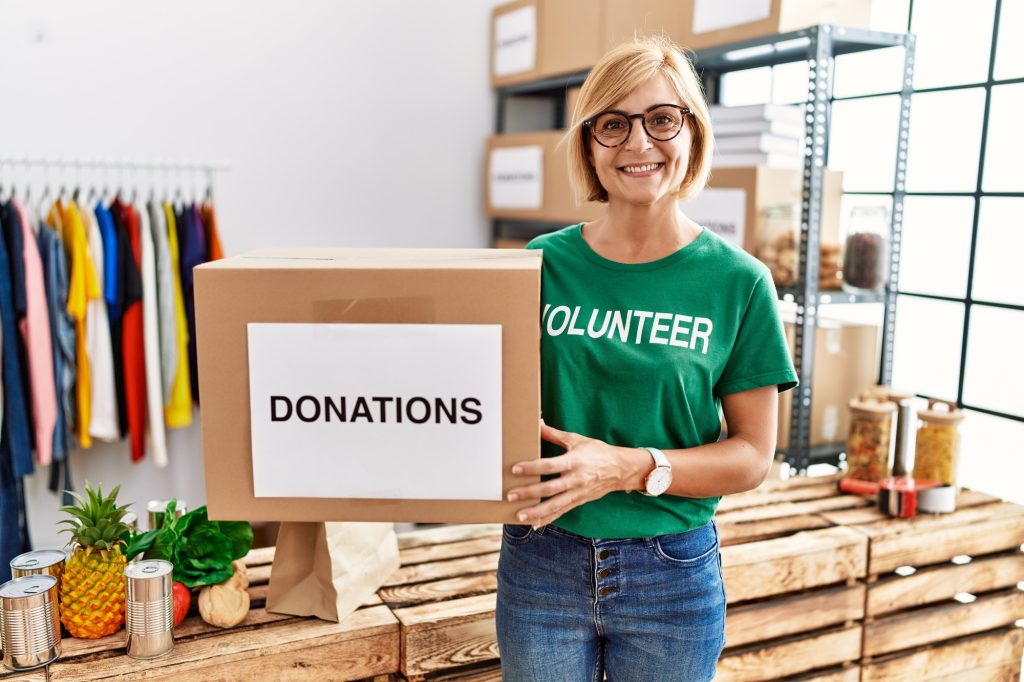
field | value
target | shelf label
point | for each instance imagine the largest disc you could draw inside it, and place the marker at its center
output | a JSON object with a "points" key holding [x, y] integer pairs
{"points": [[713, 15], [723, 211], [390, 411], [515, 41], [517, 177]]}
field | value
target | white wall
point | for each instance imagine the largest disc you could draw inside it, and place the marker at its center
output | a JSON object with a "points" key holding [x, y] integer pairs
{"points": [[346, 123]]}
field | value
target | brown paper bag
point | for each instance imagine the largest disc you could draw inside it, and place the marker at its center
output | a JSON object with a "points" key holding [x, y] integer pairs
{"points": [[328, 569]]}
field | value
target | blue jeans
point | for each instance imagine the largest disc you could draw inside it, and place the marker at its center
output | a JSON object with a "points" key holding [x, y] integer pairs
{"points": [[572, 608]]}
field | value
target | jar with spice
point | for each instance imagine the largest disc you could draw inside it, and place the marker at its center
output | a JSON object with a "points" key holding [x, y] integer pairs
{"points": [[867, 446], [866, 259], [938, 442]]}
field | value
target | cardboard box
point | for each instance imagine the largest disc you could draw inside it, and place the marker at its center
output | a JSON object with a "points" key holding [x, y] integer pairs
{"points": [[314, 290], [534, 39], [697, 24], [732, 202], [527, 178], [846, 360]]}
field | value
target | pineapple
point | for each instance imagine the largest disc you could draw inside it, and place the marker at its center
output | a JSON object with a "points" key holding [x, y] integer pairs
{"points": [[92, 586]]}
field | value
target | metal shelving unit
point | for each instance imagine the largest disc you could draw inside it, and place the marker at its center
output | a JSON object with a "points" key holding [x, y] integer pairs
{"points": [[818, 46]]}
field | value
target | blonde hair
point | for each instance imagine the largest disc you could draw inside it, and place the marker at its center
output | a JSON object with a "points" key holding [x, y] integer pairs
{"points": [[618, 74]]}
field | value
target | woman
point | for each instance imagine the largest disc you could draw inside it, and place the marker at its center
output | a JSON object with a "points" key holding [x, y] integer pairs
{"points": [[650, 325]]}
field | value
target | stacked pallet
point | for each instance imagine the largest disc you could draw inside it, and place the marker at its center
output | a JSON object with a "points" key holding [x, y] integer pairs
{"points": [[264, 646], [942, 592]]}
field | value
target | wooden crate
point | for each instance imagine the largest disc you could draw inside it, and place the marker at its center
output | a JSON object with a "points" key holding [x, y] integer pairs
{"points": [[917, 567], [794, 583], [264, 646]]}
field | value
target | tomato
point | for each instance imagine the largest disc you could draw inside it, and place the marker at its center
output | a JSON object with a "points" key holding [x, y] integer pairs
{"points": [[182, 600]]}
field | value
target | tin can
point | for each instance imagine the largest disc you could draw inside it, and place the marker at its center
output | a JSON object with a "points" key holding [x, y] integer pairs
{"points": [[30, 623], [157, 508], [39, 562], [150, 608]]}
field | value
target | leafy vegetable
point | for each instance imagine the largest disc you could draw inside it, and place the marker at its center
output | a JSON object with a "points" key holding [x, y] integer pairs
{"points": [[201, 550]]}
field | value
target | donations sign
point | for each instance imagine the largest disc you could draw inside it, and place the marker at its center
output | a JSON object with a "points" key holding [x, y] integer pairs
{"points": [[378, 411]]}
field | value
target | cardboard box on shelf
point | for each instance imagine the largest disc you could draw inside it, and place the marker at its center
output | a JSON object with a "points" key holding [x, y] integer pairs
{"points": [[527, 178], [732, 203], [534, 39], [434, 353], [697, 24], [846, 357]]}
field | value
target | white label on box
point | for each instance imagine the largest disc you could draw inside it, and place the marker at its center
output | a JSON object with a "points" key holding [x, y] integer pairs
{"points": [[515, 41], [723, 211], [517, 177], [391, 411], [712, 15]]}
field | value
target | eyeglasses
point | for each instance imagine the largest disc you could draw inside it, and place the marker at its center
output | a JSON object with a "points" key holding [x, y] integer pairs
{"points": [[662, 122]]}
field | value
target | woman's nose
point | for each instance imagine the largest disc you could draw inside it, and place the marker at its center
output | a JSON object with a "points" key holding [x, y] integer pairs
{"points": [[638, 140]]}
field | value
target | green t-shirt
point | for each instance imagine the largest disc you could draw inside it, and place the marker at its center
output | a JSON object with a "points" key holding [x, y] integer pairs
{"points": [[640, 355]]}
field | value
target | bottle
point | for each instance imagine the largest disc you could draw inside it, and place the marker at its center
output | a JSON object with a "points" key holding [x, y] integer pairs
{"points": [[938, 442], [867, 446], [866, 258]]}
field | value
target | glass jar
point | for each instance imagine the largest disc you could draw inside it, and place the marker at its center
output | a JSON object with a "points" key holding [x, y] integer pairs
{"points": [[867, 446], [937, 454], [778, 238], [866, 258]]}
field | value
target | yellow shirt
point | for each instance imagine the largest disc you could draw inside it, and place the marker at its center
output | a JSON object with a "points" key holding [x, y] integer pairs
{"points": [[82, 287], [178, 412]]}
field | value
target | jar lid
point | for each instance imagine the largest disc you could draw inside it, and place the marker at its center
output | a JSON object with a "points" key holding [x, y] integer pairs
{"points": [[148, 568], [869, 405], [40, 558], [27, 586], [889, 393], [950, 414]]}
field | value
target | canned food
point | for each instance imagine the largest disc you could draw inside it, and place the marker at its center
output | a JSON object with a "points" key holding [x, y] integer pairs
{"points": [[150, 608], [30, 622], [39, 562], [157, 508]]}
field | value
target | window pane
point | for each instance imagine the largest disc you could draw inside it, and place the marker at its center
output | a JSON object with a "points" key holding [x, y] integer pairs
{"points": [[868, 161], [945, 136], [789, 82], [998, 275], [953, 41], [750, 86], [936, 245], [1010, 48], [868, 73], [1005, 145], [991, 456], [926, 355], [994, 373]]}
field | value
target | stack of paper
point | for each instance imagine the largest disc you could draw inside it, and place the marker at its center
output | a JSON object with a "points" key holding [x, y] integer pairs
{"points": [[758, 135]]}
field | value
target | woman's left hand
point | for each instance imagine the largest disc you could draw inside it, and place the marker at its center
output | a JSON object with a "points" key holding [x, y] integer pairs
{"points": [[589, 469]]}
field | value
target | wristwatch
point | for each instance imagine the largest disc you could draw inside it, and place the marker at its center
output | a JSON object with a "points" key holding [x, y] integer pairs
{"points": [[660, 478]]}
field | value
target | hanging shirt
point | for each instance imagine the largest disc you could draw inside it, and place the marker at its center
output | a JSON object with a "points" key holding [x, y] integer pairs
{"points": [[193, 253], [165, 299], [83, 288], [35, 329], [134, 351], [62, 333], [15, 443], [214, 251], [151, 342], [103, 424], [179, 409], [129, 291], [111, 281], [10, 225]]}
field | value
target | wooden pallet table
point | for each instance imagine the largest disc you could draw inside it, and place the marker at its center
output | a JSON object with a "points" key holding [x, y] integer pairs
{"points": [[942, 591], [264, 646]]}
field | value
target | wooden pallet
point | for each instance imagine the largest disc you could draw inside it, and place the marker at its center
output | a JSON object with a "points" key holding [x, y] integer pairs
{"points": [[918, 567], [265, 645]]}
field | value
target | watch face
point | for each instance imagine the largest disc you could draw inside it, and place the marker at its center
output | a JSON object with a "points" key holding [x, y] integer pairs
{"points": [[658, 481]]}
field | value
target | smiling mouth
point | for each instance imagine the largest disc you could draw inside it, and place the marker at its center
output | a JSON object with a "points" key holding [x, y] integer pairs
{"points": [[638, 170]]}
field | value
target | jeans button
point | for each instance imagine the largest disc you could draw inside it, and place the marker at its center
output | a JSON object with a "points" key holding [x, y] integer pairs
{"points": [[604, 591], [604, 554], [604, 573]]}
